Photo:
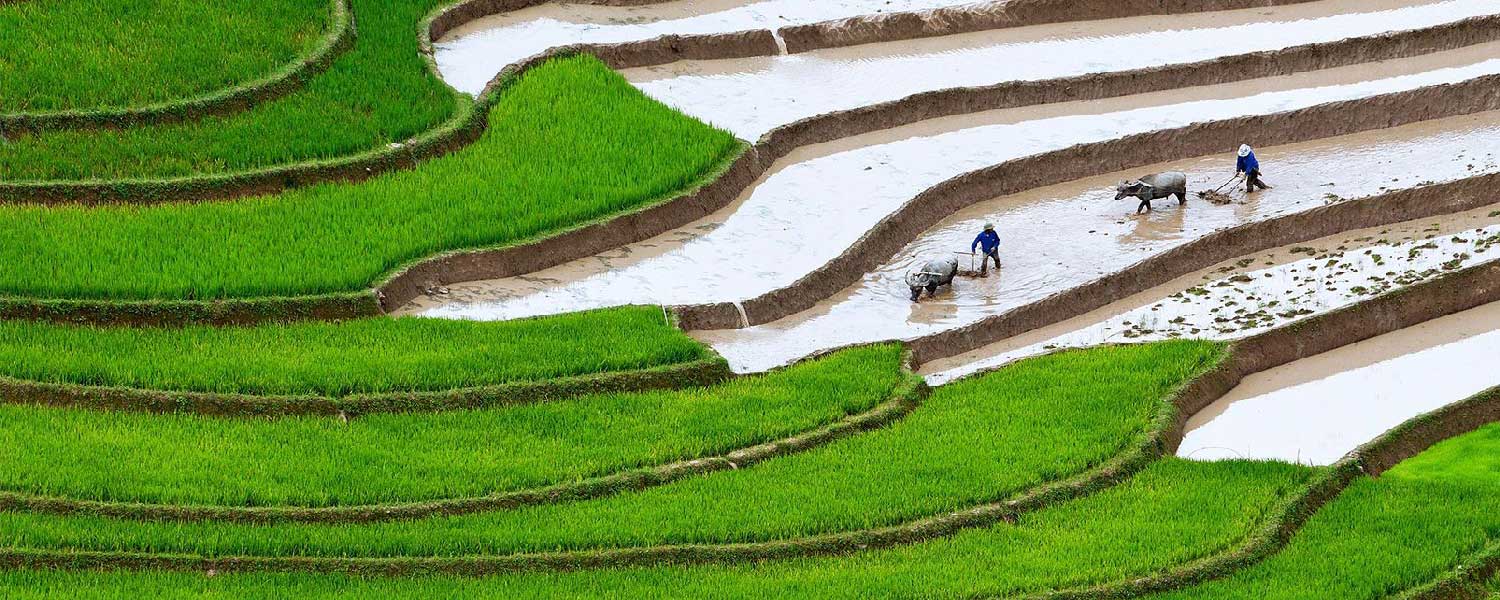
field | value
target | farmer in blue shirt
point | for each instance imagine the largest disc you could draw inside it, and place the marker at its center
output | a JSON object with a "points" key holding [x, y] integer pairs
{"points": [[1251, 168], [989, 241]]}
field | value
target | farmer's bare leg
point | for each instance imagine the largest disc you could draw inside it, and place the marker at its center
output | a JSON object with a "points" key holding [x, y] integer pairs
{"points": [[1252, 181], [984, 263]]}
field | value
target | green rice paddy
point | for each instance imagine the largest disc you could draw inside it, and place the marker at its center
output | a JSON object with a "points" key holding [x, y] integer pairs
{"points": [[413, 457], [61, 55], [570, 143]]}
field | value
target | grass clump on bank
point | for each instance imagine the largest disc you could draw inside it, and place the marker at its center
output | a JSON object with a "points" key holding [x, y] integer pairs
{"points": [[378, 92], [84, 54], [570, 142], [1385, 534], [381, 458], [352, 357], [971, 442], [1173, 512]]}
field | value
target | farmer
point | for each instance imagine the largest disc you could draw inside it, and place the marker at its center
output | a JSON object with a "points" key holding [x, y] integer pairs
{"points": [[1251, 168], [989, 242]]}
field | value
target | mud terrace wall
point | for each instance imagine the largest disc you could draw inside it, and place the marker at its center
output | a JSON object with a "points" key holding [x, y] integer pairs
{"points": [[1295, 59], [156, 313], [986, 16], [721, 188], [934, 204], [288, 79], [1469, 581], [655, 51]]}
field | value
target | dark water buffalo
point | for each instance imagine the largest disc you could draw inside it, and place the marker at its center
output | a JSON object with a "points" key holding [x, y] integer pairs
{"points": [[932, 275], [1154, 187]]}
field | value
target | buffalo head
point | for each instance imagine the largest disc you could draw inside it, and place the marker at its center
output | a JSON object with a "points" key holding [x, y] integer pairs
{"points": [[1127, 189]]}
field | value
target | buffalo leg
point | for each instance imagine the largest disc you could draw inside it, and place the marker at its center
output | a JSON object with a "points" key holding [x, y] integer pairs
{"points": [[1144, 207]]}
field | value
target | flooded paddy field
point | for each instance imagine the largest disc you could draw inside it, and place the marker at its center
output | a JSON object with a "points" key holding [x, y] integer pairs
{"points": [[1253, 294], [1064, 236], [1315, 410], [752, 96], [470, 55], [777, 233]]}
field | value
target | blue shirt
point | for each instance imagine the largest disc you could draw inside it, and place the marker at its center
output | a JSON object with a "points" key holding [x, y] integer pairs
{"points": [[988, 238], [1247, 163]]}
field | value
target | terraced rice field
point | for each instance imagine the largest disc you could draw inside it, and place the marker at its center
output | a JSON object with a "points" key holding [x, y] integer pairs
{"points": [[352, 299]]}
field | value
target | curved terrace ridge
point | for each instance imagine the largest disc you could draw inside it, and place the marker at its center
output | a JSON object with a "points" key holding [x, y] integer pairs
{"points": [[409, 281], [702, 372], [902, 401], [468, 122], [1393, 311], [284, 80]]}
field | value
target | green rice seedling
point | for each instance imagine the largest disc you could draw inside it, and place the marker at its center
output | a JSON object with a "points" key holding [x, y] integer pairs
{"points": [[1385, 534], [352, 357], [382, 458], [1173, 512], [971, 442], [378, 92], [84, 54], [1379, 537], [571, 142]]}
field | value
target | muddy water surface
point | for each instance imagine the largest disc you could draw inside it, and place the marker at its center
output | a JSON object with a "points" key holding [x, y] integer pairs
{"points": [[1317, 409], [752, 96], [470, 55], [1063, 236], [1256, 293], [808, 212]]}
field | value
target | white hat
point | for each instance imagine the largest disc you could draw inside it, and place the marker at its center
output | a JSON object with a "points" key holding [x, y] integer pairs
{"points": [[989, 225], [1244, 150]]}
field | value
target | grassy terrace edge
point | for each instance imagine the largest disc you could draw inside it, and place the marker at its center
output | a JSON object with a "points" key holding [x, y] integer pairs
{"points": [[284, 80], [1477, 577], [905, 397], [1137, 454], [1140, 402], [1395, 310], [705, 371], [659, 357]]}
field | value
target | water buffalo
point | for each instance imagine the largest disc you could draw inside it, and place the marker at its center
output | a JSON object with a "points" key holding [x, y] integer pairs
{"points": [[935, 273], [1154, 187]]}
